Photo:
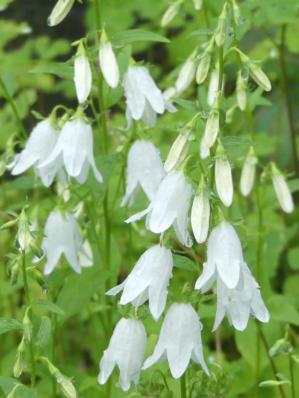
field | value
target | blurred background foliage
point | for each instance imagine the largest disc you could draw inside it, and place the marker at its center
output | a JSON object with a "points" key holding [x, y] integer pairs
{"points": [[36, 72]]}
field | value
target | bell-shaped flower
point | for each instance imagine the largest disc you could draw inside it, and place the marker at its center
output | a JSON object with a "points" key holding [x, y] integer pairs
{"points": [[144, 170], [240, 302], [223, 177], [126, 351], [282, 190], [143, 98], [169, 207], [177, 153], [186, 74], [62, 237], [82, 74], [200, 215], [41, 142], [179, 340], [74, 150], [224, 258], [108, 62], [248, 173], [60, 11], [148, 280]]}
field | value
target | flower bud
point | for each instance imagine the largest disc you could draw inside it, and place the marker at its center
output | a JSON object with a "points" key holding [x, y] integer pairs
{"points": [[197, 4], [282, 190], [200, 215], [177, 153], [82, 74], [186, 74], [222, 27], [60, 11], [20, 363], [108, 62], [248, 173], [204, 64], [241, 91], [256, 72], [211, 130], [24, 235], [236, 13], [27, 325], [223, 177], [170, 13]]}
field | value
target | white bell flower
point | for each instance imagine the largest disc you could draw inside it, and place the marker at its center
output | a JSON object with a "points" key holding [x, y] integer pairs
{"points": [[82, 74], [148, 280], [240, 302], [169, 207], [186, 74], [62, 237], [143, 98], [74, 150], [41, 142], [248, 173], [200, 216], [224, 258], [179, 340], [126, 351], [282, 190], [108, 62], [223, 177], [144, 170]]}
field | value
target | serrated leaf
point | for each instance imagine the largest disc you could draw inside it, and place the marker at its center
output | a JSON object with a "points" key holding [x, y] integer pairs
{"points": [[133, 35], [9, 325]]}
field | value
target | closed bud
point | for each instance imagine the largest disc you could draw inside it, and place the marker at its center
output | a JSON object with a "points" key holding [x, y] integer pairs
{"points": [[241, 91], [108, 62], [200, 214], [256, 72], [204, 64], [170, 13], [177, 152], [282, 190], [82, 74], [211, 130], [27, 325], [221, 29], [223, 177], [60, 11], [14, 273], [197, 4], [20, 363], [186, 74], [281, 347], [24, 235], [248, 173], [236, 13]]}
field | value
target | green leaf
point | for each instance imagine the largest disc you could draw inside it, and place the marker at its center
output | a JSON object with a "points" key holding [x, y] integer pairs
{"points": [[185, 263], [133, 35], [44, 332], [60, 69], [7, 384], [48, 306], [281, 310], [293, 258], [79, 288], [9, 324]]}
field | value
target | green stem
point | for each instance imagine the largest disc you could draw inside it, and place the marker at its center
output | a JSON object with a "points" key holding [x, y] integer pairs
{"points": [[12, 104], [221, 67], [288, 100], [183, 386], [291, 367], [271, 360], [29, 304]]}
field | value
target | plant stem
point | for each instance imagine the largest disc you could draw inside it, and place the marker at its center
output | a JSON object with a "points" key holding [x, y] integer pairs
{"points": [[271, 360], [291, 366], [287, 95], [12, 104], [28, 303], [183, 386], [221, 68]]}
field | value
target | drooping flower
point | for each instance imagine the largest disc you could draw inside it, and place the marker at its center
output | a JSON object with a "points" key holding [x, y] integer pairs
{"points": [[144, 170], [126, 351], [248, 173], [60, 11], [169, 207], [74, 150], [62, 237], [179, 340], [148, 280], [224, 258], [82, 74], [282, 190], [177, 153], [186, 74], [200, 215], [144, 99], [108, 62], [41, 142], [223, 177], [240, 302]]}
